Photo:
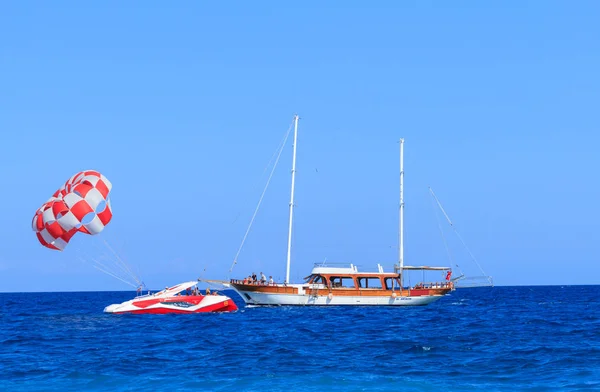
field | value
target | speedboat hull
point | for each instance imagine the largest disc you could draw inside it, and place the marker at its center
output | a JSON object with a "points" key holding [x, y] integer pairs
{"points": [[180, 304], [170, 300]]}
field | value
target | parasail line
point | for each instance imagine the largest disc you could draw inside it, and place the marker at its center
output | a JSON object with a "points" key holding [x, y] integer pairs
{"points": [[124, 264]]}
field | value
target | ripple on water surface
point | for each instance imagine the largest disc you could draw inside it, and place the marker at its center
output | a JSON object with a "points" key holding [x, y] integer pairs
{"points": [[503, 338]]}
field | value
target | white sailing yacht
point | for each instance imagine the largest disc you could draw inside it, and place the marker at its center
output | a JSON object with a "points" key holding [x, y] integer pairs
{"points": [[345, 285]]}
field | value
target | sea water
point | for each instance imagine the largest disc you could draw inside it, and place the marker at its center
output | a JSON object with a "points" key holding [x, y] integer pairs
{"points": [[494, 339]]}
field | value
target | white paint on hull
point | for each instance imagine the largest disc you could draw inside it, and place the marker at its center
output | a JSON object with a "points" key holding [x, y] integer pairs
{"points": [[258, 298], [129, 306]]}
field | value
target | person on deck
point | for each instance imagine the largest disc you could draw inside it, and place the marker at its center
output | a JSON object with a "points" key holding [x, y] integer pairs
{"points": [[263, 278]]}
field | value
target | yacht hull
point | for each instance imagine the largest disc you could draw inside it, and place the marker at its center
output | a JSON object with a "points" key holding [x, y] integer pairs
{"points": [[302, 297]]}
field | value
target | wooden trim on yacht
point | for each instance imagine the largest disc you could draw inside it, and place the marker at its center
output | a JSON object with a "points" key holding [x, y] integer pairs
{"points": [[310, 288]]}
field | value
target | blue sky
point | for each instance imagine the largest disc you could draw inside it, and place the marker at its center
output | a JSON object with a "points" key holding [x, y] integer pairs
{"points": [[181, 106]]}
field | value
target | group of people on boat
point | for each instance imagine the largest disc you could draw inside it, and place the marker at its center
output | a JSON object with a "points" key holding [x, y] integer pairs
{"points": [[191, 291], [253, 279], [196, 291]]}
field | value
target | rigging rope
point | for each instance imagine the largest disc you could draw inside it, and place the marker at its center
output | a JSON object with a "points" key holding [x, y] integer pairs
{"points": [[279, 147], [437, 217], [287, 134], [456, 231]]}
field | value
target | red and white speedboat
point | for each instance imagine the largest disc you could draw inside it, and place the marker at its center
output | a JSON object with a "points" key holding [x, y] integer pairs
{"points": [[182, 298]]}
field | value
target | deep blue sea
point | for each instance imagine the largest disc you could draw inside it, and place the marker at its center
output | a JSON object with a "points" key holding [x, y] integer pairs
{"points": [[494, 339]]}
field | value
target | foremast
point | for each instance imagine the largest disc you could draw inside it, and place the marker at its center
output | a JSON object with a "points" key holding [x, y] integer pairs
{"points": [[289, 247]]}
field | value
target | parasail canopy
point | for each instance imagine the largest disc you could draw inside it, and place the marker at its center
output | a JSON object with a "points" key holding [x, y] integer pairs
{"points": [[80, 205]]}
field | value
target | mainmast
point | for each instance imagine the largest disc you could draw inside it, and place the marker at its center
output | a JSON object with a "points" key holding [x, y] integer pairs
{"points": [[289, 248], [401, 223]]}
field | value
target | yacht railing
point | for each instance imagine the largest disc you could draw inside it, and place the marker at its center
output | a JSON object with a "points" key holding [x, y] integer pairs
{"points": [[433, 285], [253, 282], [329, 264]]}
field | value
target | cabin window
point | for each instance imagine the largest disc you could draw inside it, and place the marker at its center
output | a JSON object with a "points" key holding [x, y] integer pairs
{"points": [[342, 281], [370, 283], [392, 282]]}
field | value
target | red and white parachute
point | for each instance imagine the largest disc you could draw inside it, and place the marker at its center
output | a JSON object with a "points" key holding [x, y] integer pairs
{"points": [[80, 205]]}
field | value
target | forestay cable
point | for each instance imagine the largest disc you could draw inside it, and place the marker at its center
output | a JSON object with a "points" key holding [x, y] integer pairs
{"points": [[279, 146], [287, 134]]}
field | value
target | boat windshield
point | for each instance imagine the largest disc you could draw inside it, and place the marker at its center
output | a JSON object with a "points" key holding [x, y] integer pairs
{"points": [[316, 279], [191, 290]]}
